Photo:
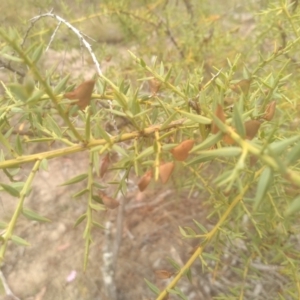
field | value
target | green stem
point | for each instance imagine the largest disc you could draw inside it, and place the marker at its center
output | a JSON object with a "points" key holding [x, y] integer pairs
{"points": [[208, 238], [83, 147], [89, 212], [12, 224], [47, 88], [157, 155]]}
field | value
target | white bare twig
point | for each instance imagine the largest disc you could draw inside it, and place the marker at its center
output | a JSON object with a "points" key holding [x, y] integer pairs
{"points": [[52, 36], [108, 270], [76, 32], [6, 287], [82, 40]]}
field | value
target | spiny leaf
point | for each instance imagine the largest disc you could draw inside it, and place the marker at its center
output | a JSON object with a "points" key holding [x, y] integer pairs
{"points": [[195, 118], [293, 207], [10, 189], [31, 215], [19, 241], [61, 85], [79, 220], [208, 142], [152, 287], [238, 121], [75, 179], [265, 180]]}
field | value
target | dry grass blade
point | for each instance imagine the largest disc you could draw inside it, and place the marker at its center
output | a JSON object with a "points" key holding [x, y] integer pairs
{"points": [[82, 93]]}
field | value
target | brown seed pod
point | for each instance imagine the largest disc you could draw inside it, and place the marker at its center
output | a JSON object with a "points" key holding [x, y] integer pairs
{"points": [[163, 274], [109, 202], [104, 165], [165, 171], [242, 86], [270, 111], [219, 113], [83, 93], [181, 152], [251, 128], [145, 180], [154, 85], [227, 139], [253, 160]]}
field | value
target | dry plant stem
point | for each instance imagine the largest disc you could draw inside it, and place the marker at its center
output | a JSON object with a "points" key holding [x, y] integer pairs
{"points": [[52, 36], [208, 237], [5, 238], [10, 68], [157, 156]]}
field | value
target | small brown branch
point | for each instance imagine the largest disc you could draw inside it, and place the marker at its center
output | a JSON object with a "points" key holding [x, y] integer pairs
{"points": [[10, 68]]}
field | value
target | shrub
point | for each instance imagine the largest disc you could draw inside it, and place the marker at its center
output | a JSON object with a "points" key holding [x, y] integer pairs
{"points": [[201, 97]]}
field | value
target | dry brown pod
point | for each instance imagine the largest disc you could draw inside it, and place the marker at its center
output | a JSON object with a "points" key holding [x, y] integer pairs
{"points": [[229, 101], [251, 128], [104, 164], [181, 152], [109, 202], [145, 180], [253, 160], [219, 113], [163, 274], [82, 93], [154, 85], [165, 171], [227, 139], [242, 86], [270, 111]]}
